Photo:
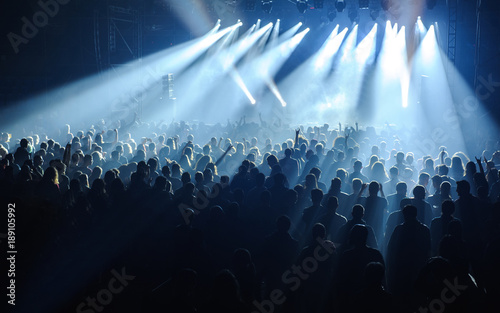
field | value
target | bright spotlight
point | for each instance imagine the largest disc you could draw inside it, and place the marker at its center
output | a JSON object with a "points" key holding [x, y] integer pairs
{"points": [[239, 81], [421, 27], [428, 45], [340, 5], [267, 6], [302, 6]]}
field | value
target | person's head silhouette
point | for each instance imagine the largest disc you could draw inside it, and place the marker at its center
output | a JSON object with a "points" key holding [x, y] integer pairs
{"points": [[358, 235], [358, 211], [410, 213], [316, 196]]}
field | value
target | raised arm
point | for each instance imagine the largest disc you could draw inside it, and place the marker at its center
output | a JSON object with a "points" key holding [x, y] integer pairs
{"points": [[363, 188], [296, 142], [176, 144], [116, 136], [481, 169], [441, 156], [346, 140], [89, 142], [223, 155], [67, 155]]}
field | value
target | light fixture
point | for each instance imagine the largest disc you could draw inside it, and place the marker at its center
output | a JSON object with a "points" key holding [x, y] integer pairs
{"points": [[267, 6], [340, 5], [302, 6]]}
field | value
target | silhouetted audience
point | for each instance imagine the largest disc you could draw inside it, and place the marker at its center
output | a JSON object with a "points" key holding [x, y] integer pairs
{"points": [[201, 224]]}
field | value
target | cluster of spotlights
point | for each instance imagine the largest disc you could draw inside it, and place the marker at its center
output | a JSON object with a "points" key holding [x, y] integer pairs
{"points": [[339, 5]]}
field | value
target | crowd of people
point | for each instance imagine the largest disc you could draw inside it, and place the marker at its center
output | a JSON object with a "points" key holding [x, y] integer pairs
{"points": [[250, 217]]}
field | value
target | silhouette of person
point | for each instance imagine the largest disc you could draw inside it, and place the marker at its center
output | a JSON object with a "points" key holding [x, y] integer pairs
{"points": [[290, 167], [357, 213], [331, 219], [279, 251], [373, 298], [375, 208], [352, 264], [320, 251], [424, 210], [408, 250], [439, 225], [395, 199]]}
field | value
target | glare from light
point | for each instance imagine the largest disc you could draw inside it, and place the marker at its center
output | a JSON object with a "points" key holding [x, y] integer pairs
{"points": [[421, 27], [349, 44], [237, 78], [428, 45], [365, 52], [286, 35], [274, 89], [329, 49]]}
